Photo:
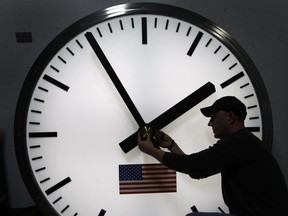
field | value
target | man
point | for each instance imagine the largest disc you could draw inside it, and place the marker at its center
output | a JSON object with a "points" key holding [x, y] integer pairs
{"points": [[252, 183]]}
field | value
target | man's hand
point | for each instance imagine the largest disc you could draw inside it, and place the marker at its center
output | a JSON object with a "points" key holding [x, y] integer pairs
{"points": [[165, 141], [148, 147], [162, 139], [145, 145]]}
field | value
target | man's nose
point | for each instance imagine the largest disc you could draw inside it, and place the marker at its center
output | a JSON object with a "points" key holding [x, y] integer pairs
{"points": [[210, 123]]}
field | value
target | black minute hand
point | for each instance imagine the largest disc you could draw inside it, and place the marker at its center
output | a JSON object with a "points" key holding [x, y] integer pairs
{"points": [[117, 83], [173, 113]]}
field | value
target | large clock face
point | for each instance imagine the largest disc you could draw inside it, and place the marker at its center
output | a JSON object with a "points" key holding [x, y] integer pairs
{"points": [[72, 113]]}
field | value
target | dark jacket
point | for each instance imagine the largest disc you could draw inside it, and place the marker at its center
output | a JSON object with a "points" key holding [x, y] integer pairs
{"points": [[252, 182]]}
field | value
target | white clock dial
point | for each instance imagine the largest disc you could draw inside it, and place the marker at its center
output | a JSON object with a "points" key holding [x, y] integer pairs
{"points": [[74, 117]]}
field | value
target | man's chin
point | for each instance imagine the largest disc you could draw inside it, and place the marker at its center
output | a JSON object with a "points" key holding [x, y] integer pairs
{"points": [[217, 136]]}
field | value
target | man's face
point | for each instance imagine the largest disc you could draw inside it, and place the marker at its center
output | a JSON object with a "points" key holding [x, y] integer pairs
{"points": [[219, 122]]}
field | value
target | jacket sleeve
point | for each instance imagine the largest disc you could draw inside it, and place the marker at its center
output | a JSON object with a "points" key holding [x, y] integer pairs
{"points": [[205, 163]]}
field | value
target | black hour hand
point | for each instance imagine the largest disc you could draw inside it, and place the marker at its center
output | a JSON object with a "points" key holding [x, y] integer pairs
{"points": [[173, 113]]}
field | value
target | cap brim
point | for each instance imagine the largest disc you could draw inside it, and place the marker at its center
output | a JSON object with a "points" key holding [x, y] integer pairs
{"points": [[206, 111]]}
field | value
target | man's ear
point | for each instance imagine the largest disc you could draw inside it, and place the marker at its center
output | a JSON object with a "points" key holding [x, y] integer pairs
{"points": [[232, 118]]}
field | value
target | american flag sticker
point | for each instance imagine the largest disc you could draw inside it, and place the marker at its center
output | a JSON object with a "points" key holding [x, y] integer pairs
{"points": [[146, 178]]}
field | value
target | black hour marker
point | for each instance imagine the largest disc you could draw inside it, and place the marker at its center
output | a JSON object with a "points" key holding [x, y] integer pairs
{"points": [[251, 107], [110, 28], [243, 86], [79, 44], [42, 134], [34, 123], [225, 57], [99, 32], [232, 80], [195, 43], [39, 100], [34, 146], [102, 212], [132, 22], [189, 30], [121, 24], [155, 23], [208, 42], [144, 30], [36, 158], [232, 66], [248, 96], [40, 169], [253, 129], [43, 89], [36, 111], [254, 118], [44, 180], [54, 68], [217, 49], [63, 210], [194, 209], [221, 210], [70, 51], [58, 199], [56, 82], [58, 186], [59, 57], [178, 26], [167, 24]]}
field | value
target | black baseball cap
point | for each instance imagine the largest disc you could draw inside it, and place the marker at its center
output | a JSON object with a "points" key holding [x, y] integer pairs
{"points": [[228, 104]]}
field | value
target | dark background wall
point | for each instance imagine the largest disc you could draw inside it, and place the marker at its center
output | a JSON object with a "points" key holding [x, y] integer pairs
{"points": [[261, 28]]}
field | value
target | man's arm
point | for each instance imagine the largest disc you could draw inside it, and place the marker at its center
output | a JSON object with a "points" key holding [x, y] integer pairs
{"points": [[163, 140]]}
